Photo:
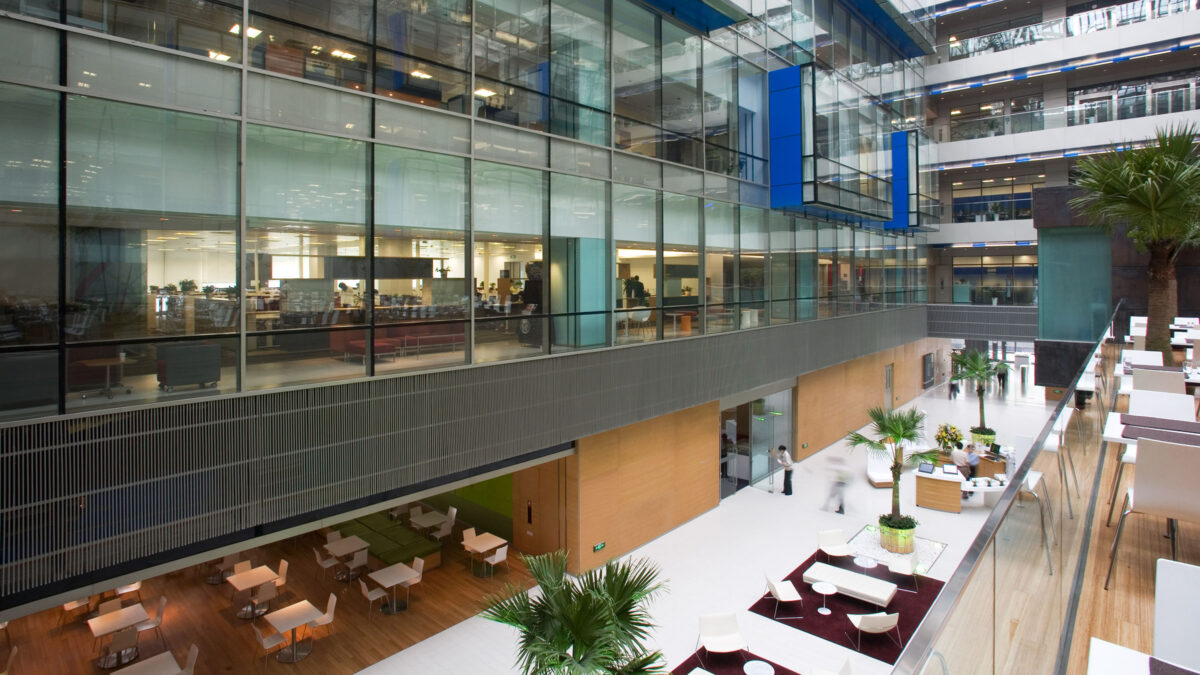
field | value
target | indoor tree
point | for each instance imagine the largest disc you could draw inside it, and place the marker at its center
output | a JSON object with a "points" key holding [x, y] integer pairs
{"points": [[596, 623], [894, 432], [1155, 192], [976, 366]]}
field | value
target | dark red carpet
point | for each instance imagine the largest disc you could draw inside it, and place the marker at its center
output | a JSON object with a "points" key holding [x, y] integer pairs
{"points": [[836, 627], [724, 664]]}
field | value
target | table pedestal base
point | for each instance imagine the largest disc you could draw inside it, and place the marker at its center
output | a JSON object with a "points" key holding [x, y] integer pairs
{"points": [[394, 607], [824, 611], [346, 575], [294, 652]]}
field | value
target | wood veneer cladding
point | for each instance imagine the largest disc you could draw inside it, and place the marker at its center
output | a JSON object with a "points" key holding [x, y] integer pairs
{"points": [[539, 489], [834, 400], [630, 485]]}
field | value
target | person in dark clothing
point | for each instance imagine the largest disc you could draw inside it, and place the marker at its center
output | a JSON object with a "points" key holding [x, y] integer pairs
{"points": [[785, 460]]}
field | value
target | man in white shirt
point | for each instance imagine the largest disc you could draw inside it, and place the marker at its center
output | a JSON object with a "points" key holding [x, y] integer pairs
{"points": [[785, 460]]}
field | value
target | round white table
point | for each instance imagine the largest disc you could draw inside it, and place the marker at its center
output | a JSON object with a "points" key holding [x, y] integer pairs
{"points": [[826, 589], [757, 667], [865, 562]]}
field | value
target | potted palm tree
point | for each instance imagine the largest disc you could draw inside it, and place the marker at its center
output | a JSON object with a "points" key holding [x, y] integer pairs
{"points": [[1155, 192], [895, 433], [596, 623], [975, 365]]}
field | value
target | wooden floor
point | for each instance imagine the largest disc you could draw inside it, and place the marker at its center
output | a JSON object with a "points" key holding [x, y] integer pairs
{"points": [[205, 615]]}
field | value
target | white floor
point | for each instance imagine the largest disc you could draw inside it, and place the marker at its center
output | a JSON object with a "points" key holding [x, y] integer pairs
{"points": [[717, 562]]}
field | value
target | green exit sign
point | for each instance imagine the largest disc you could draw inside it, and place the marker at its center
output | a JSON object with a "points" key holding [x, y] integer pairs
{"points": [[598, 547]]}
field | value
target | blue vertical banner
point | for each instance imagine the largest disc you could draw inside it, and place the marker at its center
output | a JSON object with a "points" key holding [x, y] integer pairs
{"points": [[786, 133], [901, 211]]}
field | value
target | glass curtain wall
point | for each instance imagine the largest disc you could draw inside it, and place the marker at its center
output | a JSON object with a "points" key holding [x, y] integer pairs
{"points": [[753, 246], [579, 265], [720, 266], [782, 267], [683, 277], [635, 247], [579, 84], [636, 79], [512, 68]]}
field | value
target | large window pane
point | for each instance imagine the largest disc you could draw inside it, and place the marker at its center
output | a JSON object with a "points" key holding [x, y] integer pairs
{"points": [[578, 261], [681, 112], [286, 48], [207, 28], [510, 214], [809, 270], [29, 215], [682, 283], [782, 268], [437, 31], [752, 267], [420, 264], [635, 239], [635, 63], [720, 105], [305, 262], [720, 265], [152, 221], [100, 376], [418, 81], [511, 42], [30, 384], [579, 85]]}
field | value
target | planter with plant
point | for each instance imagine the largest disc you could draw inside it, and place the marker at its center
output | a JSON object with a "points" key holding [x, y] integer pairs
{"points": [[209, 290], [948, 436], [187, 286], [894, 432], [595, 623], [976, 366]]}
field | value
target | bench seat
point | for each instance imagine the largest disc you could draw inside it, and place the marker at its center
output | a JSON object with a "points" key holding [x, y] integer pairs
{"points": [[852, 584]]}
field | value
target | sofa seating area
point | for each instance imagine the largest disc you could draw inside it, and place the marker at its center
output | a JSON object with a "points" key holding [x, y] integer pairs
{"points": [[392, 542], [419, 337], [852, 584]]}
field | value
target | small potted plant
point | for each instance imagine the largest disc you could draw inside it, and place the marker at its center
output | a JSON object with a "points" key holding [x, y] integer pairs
{"points": [[948, 436], [187, 286], [975, 365], [209, 290], [895, 432]]}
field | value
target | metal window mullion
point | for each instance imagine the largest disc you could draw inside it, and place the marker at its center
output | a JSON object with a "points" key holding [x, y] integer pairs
{"points": [[660, 286], [62, 219], [239, 264], [547, 322]]}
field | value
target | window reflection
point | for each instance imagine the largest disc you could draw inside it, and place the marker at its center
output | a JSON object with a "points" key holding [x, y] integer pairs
{"points": [[206, 28], [682, 284], [286, 48]]}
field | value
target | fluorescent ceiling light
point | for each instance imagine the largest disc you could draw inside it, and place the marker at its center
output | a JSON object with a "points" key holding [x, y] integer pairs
{"points": [[421, 75], [217, 56], [484, 92], [343, 55], [251, 32], [955, 112]]}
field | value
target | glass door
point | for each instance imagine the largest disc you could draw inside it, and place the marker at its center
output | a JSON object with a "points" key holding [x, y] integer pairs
{"points": [[749, 432]]}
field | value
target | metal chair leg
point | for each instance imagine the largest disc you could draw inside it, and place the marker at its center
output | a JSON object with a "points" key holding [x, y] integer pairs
{"points": [[1125, 511], [1045, 537], [1173, 527], [1112, 500], [1071, 461]]}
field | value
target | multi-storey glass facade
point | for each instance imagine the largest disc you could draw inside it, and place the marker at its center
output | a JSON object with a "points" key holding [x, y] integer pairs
{"points": [[375, 187]]}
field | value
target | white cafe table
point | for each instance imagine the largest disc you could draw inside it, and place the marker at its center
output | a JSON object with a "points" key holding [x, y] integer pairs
{"points": [[112, 622], [1176, 593], [429, 519], [481, 544], [291, 618], [1141, 357], [159, 664], [343, 547], [391, 577], [1106, 658], [252, 578], [1161, 404], [1113, 430]]}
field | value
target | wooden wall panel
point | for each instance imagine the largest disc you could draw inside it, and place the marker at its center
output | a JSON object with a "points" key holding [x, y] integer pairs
{"points": [[834, 400], [630, 485], [539, 488]]}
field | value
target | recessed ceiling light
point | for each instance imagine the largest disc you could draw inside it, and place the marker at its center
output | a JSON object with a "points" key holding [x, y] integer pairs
{"points": [[421, 75], [484, 92]]}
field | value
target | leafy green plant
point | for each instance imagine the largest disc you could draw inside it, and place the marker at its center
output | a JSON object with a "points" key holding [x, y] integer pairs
{"points": [[170, 288], [187, 286], [893, 431], [209, 290], [975, 365], [1155, 191], [596, 623]]}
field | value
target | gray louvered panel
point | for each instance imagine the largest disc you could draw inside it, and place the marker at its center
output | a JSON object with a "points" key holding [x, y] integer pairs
{"points": [[165, 477]]}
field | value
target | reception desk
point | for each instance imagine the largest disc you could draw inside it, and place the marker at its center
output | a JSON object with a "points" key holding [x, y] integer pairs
{"points": [[940, 491]]}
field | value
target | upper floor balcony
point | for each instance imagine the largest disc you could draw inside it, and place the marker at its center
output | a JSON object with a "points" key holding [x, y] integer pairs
{"points": [[1027, 49]]}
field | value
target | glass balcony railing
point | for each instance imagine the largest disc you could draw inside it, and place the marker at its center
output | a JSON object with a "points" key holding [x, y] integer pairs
{"points": [[1034, 544], [983, 209], [1079, 24], [1092, 112]]}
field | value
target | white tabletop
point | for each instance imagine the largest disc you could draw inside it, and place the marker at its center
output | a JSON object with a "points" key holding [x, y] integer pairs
{"points": [[345, 546], [115, 621], [757, 667], [252, 578], [293, 616], [1138, 357], [483, 543], [159, 664], [1113, 430], [1176, 594], [1161, 404], [393, 574], [1105, 658], [429, 519], [824, 588]]}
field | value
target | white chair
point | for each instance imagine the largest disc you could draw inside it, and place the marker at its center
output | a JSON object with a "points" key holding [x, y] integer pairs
{"points": [[719, 633], [269, 642], [784, 591], [413, 513], [639, 317], [1139, 343], [332, 536], [72, 607], [357, 562], [121, 649], [500, 556], [451, 514], [371, 594], [879, 622], [1169, 381], [282, 578], [193, 655], [846, 669], [833, 543], [4, 627], [1165, 486], [418, 565], [155, 624], [468, 534], [241, 566], [325, 563], [325, 619], [135, 587], [905, 565], [262, 597], [444, 530], [110, 606]]}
